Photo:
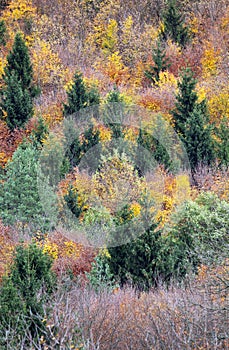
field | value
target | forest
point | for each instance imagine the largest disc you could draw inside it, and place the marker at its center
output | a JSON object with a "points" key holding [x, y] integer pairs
{"points": [[114, 174]]}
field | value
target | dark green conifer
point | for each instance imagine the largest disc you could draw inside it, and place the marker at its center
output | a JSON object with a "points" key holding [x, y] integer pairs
{"points": [[192, 122], [174, 25], [16, 102], [160, 63], [79, 96]]}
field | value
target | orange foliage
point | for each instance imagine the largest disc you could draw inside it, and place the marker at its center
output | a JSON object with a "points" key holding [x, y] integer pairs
{"points": [[69, 256], [10, 140]]}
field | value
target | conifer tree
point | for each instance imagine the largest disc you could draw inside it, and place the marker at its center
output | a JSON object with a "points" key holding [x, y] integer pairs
{"points": [[19, 64], [136, 261], [79, 96], [20, 200], [160, 63], [2, 33], [16, 102], [192, 122], [174, 26], [18, 89]]}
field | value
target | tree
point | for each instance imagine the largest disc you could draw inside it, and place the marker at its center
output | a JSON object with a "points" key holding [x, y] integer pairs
{"points": [[136, 261], [197, 234], [20, 201], [18, 90], [16, 102], [191, 122], [79, 96], [223, 144], [25, 290], [160, 63], [2, 33], [19, 64], [174, 26]]}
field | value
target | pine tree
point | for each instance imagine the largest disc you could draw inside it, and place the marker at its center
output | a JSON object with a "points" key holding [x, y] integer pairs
{"points": [[79, 96], [174, 26], [160, 63], [192, 122]]}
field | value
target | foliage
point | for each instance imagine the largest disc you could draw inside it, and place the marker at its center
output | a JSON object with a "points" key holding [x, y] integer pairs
{"points": [[191, 122], [160, 63], [25, 290], [174, 26], [20, 187], [3, 32], [100, 275], [198, 234], [18, 91], [135, 262], [79, 96]]}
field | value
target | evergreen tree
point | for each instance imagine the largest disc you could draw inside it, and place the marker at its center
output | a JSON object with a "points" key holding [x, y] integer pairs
{"points": [[135, 261], [174, 26], [18, 90], [160, 63], [115, 106], [39, 132], [23, 293], [2, 33], [222, 146], [20, 201], [16, 102], [191, 122], [79, 96], [19, 64]]}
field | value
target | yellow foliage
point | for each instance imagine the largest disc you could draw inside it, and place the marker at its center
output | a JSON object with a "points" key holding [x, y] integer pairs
{"points": [[104, 134], [114, 68], [109, 38], [202, 93], [51, 248], [136, 209], [18, 15], [218, 105], [168, 191], [166, 80], [127, 30], [52, 113], [131, 134], [48, 69], [117, 181], [210, 59]]}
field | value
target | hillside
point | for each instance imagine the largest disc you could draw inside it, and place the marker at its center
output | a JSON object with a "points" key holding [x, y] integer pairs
{"points": [[114, 174]]}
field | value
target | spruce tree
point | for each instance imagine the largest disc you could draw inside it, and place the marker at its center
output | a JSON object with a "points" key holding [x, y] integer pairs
{"points": [[2, 33], [192, 122], [18, 89], [16, 102], [20, 200], [160, 63], [19, 64], [24, 292], [174, 25], [222, 133], [79, 96], [136, 261]]}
